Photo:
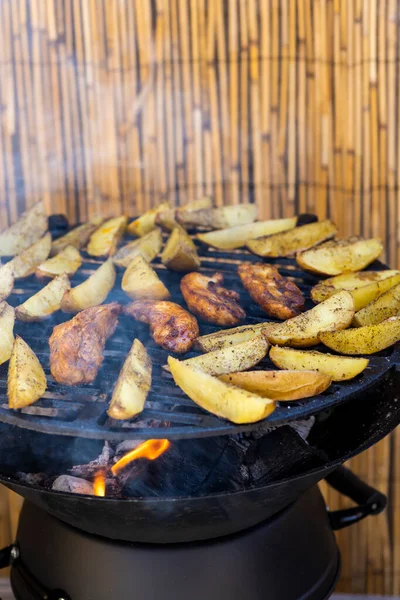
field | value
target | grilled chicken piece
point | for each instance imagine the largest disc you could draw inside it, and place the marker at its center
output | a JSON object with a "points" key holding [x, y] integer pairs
{"points": [[76, 347], [171, 326], [276, 295], [206, 298]]}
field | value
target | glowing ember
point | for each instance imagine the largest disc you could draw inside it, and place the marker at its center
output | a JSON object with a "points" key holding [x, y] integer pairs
{"points": [[151, 449], [99, 484]]}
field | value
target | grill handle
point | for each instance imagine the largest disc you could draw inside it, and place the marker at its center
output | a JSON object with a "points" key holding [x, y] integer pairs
{"points": [[370, 501]]}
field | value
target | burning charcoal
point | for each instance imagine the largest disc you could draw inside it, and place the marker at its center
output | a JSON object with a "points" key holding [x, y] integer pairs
{"points": [[125, 447], [104, 460], [74, 485]]}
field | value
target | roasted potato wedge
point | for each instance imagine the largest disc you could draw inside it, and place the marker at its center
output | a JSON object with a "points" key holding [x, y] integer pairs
{"points": [[30, 227], [220, 398], [26, 378], [147, 222], [364, 340], [341, 256], [229, 337], [233, 358], [67, 261], [364, 286], [180, 253], [147, 246], [294, 240], [6, 280], [133, 384], [25, 263], [7, 319], [104, 241], [92, 292], [302, 331], [384, 307], [77, 237], [45, 302], [236, 237], [339, 368], [141, 281], [167, 218], [219, 218], [280, 385]]}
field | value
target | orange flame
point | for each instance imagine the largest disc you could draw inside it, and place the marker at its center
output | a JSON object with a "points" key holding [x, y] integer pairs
{"points": [[99, 484], [151, 449]]}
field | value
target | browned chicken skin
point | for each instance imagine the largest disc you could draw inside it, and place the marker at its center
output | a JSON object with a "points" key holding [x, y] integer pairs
{"points": [[76, 347], [206, 298], [276, 295], [171, 326]]}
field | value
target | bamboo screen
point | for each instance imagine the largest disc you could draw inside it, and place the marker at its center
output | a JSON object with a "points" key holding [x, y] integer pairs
{"points": [[111, 105]]}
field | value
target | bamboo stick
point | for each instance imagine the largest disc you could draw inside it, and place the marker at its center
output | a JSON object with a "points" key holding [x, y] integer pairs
{"points": [[244, 131], [233, 53], [255, 127], [265, 33]]}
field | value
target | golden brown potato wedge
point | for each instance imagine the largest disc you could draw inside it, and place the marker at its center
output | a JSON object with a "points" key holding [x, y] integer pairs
{"points": [[341, 256], [384, 307], [25, 263], [302, 331], [66, 261], [7, 319], [339, 368], [220, 398], [147, 246], [141, 281], [364, 340], [236, 237], [219, 218], [77, 237], [147, 222], [233, 358], [30, 227], [133, 384], [45, 302], [104, 241], [6, 280], [180, 253], [280, 385], [294, 240], [230, 337], [26, 378], [167, 218], [92, 292]]}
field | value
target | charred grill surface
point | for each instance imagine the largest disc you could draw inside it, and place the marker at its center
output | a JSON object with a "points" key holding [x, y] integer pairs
{"points": [[81, 410]]}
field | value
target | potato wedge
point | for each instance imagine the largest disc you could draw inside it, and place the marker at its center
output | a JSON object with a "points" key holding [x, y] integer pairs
{"points": [[294, 240], [141, 281], [147, 246], [339, 368], [45, 302], [147, 222], [30, 227], [384, 307], [77, 237], [219, 218], [233, 358], [66, 261], [220, 398], [180, 253], [25, 263], [236, 237], [230, 337], [341, 256], [167, 218], [364, 340], [104, 241], [26, 378], [280, 385], [370, 283], [331, 315], [7, 320], [92, 292], [133, 384], [6, 280]]}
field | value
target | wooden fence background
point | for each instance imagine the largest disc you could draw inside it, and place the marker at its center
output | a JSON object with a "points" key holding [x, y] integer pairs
{"points": [[111, 105]]}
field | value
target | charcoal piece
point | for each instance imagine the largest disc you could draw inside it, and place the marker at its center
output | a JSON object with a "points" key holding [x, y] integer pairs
{"points": [[125, 447], [74, 485], [104, 460], [34, 479]]}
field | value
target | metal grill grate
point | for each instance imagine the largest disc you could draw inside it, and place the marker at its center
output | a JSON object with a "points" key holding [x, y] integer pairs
{"points": [[81, 411]]}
